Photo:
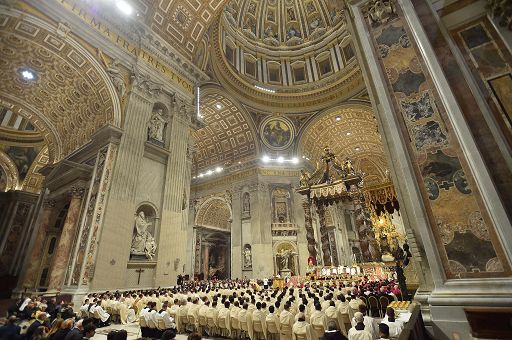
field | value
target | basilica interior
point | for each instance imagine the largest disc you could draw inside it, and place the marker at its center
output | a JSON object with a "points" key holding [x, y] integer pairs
{"points": [[146, 140]]}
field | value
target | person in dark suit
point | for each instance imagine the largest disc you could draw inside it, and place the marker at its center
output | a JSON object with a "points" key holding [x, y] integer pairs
{"points": [[10, 331], [332, 332], [41, 320]]}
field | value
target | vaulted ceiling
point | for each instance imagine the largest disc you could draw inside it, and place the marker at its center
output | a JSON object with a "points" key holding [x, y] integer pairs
{"points": [[227, 136], [349, 131], [71, 96]]}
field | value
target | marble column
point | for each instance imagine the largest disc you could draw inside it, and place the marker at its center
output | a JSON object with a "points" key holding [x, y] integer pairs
{"points": [[37, 251], [324, 235], [310, 232], [206, 256], [61, 257]]}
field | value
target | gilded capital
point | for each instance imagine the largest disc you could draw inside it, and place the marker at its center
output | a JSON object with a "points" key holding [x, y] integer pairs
{"points": [[49, 203]]}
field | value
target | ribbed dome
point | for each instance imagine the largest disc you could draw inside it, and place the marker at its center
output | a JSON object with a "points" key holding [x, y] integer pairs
{"points": [[283, 23]]}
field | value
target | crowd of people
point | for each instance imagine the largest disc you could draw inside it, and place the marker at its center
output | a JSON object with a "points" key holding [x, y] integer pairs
{"points": [[232, 309]]}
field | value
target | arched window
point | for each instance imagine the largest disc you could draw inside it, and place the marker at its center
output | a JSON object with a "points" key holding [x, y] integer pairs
{"points": [[51, 247]]}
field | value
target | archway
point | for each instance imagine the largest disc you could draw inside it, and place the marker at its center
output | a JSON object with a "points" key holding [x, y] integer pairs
{"points": [[213, 239]]}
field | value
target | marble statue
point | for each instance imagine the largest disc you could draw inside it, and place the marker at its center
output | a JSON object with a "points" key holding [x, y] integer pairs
{"points": [[143, 242], [156, 126], [246, 207], [116, 77], [247, 256]]}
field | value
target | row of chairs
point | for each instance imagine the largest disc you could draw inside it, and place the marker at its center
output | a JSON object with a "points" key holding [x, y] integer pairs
{"points": [[151, 329], [376, 307]]}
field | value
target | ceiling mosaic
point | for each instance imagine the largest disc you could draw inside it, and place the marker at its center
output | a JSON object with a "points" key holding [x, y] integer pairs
{"points": [[227, 136], [349, 131], [68, 100]]}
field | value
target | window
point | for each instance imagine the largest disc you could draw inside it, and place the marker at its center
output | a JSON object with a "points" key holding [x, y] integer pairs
{"points": [[325, 67], [44, 276], [59, 222], [230, 54], [250, 68], [274, 74], [299, 74]]}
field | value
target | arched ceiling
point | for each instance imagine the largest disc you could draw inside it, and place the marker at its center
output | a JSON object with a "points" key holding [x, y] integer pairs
{"points": [[227, 136], [71, 96], [349, 131], [181, 23]]}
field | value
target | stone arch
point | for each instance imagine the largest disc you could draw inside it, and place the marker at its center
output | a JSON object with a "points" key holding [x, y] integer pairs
{"points": [[72, 96], [10, 172], [354, 135], [215, 212], [214, 147]]}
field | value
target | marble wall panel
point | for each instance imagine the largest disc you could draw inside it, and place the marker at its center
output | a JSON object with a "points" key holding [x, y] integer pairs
{"points": [[464, 232]]}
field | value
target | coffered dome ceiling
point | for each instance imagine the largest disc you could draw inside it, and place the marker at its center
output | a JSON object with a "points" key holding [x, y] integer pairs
{"points": [[289, 56]]}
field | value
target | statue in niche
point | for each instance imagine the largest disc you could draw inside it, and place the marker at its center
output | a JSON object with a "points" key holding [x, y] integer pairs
{"points": [[156, 127], [143, 242], [284, 256], [270, 37], [247, 256], [246, 204]]}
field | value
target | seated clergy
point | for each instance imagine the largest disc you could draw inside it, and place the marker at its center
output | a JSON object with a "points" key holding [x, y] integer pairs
{"points": [[303, 330], [318, 321], [167, 320], [359, 332]]}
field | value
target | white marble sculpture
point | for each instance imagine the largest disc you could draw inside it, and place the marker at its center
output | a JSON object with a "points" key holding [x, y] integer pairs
{"points": [[156, 126], [143, 242]]}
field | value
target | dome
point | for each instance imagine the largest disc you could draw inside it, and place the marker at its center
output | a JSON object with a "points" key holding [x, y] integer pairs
{"points": [[283, 24], [291, 55]]}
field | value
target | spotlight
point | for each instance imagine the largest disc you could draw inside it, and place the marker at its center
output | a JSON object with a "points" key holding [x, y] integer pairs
{"points": [[295, 160], [27, 74], [280, 159], [357, 148], [209, 172], [265, 159], [219, 106], [218, 169], [338, 118], [124, 7], [349, 133]]}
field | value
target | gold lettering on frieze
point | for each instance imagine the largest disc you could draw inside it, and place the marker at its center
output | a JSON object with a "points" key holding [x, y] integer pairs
{"points": [[126, 45]]}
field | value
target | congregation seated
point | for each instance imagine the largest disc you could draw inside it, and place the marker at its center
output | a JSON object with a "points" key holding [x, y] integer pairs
{"points": [[10, 331]]}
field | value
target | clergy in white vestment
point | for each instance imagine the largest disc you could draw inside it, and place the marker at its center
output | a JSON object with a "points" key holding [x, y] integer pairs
{"points": [[96, 309], [395, 326], [359, 332], [369, 323], [318, 321], [272, 324], [258, 316], [301, 327], [167, 319], [286, 320], [223, 320]]}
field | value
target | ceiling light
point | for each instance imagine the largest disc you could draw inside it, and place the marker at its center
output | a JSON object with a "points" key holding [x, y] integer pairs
{"points": [[200, 175], [349, 133], [264, 89], [357, 148], [338, 118], [218, 169], [209, 172], [124, 7], [27, 74], [239, 162], [218, 106], [265, 159], [303, 157], [280, 159], [295, 160]]}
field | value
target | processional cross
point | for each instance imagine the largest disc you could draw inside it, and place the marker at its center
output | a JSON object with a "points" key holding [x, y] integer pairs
{"points": [[140, 271]]}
